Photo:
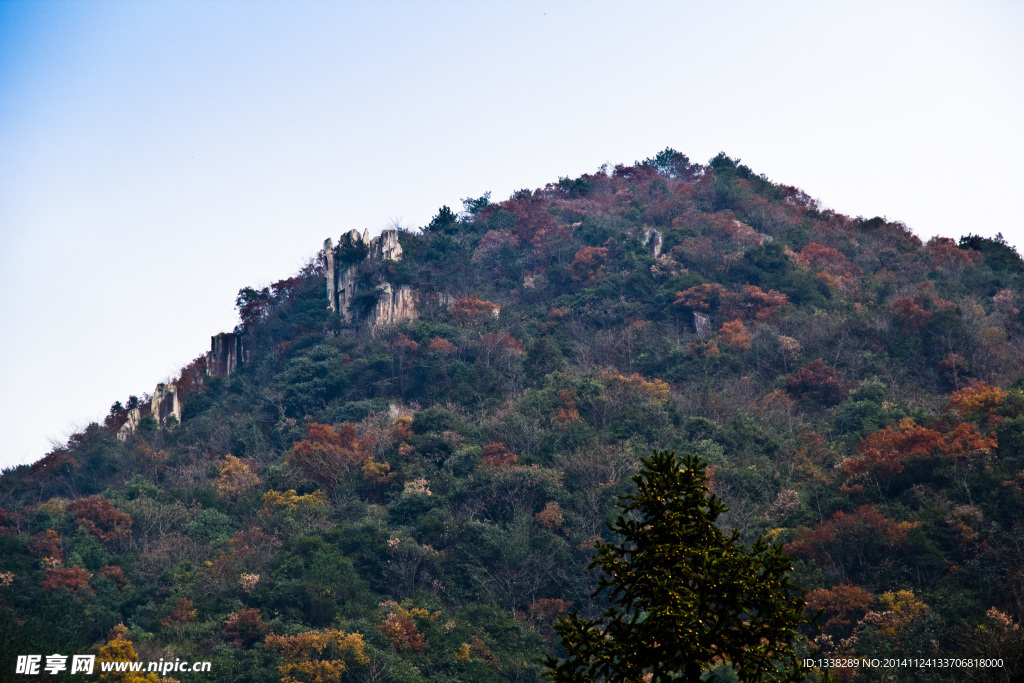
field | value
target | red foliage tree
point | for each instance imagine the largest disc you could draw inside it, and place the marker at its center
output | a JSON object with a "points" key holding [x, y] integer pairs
{"points": [[46, 546], [101, 518], [841, 604], [882, 455], [850, 539], [913, 317], [115, 574], [495, 455], [819, 258], [819, 382], [245, 628]]}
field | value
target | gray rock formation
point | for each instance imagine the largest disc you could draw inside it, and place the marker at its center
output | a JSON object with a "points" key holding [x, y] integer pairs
{"points": [[225, 354], [654, 240], [340, 274], [329, 273], [394, 306], [129, 426], [385, 246], [165, 403], [703, 325]]}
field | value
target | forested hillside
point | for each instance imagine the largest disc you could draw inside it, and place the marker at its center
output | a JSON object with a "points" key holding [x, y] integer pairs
{"points": [[418, 502]]}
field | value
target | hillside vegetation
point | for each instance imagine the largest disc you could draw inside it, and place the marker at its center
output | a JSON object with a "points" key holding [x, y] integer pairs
{"points": [[419, 502]]}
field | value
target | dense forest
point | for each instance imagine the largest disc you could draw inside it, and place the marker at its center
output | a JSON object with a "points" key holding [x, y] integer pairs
{"points": [[419, 502]]}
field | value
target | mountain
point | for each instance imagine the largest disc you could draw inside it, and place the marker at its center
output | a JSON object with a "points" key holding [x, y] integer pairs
{"points": [[400, 460]]}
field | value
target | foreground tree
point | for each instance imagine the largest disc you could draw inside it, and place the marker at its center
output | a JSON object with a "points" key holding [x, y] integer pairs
{"points": [[685, 596]]}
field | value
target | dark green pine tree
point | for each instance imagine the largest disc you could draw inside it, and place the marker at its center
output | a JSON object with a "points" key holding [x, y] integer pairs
{"points": [[685, 595]]}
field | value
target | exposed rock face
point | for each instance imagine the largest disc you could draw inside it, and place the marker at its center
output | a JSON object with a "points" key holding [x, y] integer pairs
{"points": [[385, 247], [225, 354], [329, 272], [165, 403], [394, 306], [654, 240], [703, 325], [340, 274], [126, 430]]}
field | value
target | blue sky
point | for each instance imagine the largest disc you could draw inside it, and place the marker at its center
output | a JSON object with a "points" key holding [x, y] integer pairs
{"points": [[157, 156]]}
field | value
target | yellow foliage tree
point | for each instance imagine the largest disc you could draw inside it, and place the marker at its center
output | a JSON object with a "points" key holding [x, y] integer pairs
{"points": [[120, 649], [317, 656], [235, 478], [979, 397], [655, 389]]}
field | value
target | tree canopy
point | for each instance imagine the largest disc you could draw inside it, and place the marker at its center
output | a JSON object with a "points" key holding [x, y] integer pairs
{"points": [[685, 595]]}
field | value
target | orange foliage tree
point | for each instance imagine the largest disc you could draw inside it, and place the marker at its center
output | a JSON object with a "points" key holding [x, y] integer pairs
{"points": [[736, 334], [550, 517], [706, 297], [329, 456], [442, 346], [976, 399], [818, 258], [655, 389], [755, 304], [400, 628], [913, 316], [467, 310], [115, 574], [496, 455], [588, 264], [74, 579], [750, 303], [950, 259]]}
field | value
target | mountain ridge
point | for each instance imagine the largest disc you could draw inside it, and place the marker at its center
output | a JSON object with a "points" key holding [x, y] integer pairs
{"points": [[856, 391]]}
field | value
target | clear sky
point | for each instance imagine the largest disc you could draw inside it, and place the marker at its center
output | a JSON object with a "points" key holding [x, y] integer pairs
{"points": [[157, 156]]}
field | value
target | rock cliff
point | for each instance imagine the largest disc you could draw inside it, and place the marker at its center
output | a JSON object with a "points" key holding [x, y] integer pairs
{"points": [[341, 268]]}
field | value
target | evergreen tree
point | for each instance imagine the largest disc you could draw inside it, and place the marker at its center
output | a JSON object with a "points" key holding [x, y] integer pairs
{"points": [[685, 595]]}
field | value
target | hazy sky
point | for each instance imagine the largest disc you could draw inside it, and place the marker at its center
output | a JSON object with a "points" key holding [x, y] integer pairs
{"points": [[157, 156]]}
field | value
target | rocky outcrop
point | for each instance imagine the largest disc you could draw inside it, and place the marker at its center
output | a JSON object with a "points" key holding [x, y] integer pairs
{"points": [[341, 270], [225, 354], [165, 403], [386, 247], [162, 406], [129, 426], [654, 240], [703, 325], [394, 306], [332, 300]]}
